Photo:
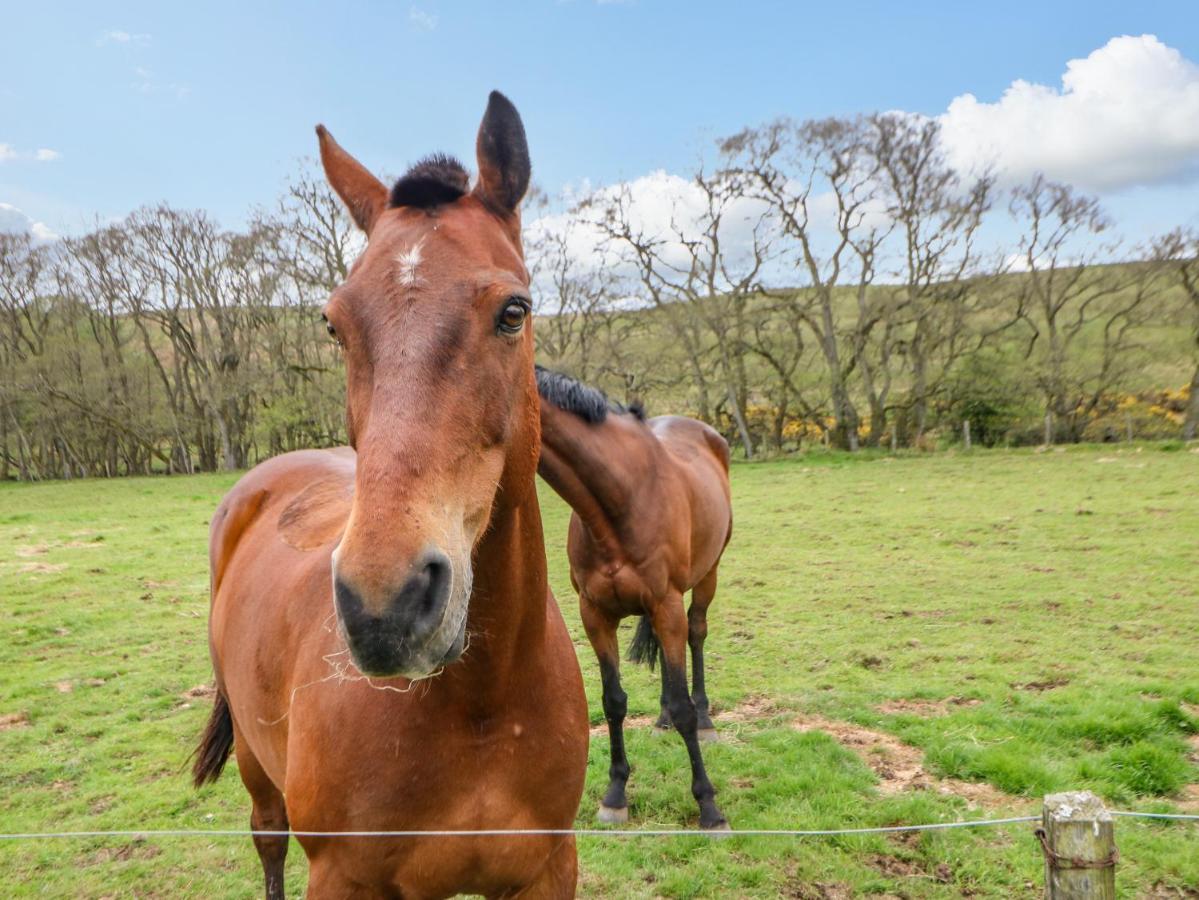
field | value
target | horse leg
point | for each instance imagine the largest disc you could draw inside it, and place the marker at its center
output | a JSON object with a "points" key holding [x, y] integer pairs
{"points": [[663, 722], [697, 631], [558, 880], [326, 881], [601, 631], [268, 814], [670, 624]]}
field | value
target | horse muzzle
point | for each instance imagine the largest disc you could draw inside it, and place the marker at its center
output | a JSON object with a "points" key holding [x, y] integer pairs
{"points": [[417, 629]]}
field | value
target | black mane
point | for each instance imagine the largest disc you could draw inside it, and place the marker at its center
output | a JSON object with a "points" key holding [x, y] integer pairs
{"points": [[589, 404], [433, 181]]}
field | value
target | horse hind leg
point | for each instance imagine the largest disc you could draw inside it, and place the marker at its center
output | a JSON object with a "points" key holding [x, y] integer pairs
{"points": [[601, 632], [670, 624], [269, 813], [697, 633]]}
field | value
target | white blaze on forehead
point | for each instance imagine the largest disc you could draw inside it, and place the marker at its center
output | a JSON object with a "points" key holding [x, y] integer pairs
{"points": [[408, 262]]}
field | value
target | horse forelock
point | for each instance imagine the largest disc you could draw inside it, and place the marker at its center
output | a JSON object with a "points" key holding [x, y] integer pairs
{"points": [[436, 180]]}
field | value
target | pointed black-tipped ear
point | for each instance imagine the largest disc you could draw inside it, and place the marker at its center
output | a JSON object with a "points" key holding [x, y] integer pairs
{"points": [[364, 195], [503, 153]]}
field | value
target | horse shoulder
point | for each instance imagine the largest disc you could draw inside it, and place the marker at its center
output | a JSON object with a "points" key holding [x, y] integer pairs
{"points": [[314, 489]]}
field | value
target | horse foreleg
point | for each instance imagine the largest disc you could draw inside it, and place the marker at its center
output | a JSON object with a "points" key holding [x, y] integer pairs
{"points": [[601, 631], [558, 880], [697, 632], [670, 624], [268, 814]]}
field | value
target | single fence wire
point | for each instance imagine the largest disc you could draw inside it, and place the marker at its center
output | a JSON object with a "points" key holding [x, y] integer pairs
{"points": [[146, 834]]}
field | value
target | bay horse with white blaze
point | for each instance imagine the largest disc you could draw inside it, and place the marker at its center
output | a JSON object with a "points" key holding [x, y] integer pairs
{"points": [[652, 517], [388, 655]]}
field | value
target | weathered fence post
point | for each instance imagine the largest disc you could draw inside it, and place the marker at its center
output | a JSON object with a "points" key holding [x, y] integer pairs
{"points": [[1078, 839], [966, 433]]}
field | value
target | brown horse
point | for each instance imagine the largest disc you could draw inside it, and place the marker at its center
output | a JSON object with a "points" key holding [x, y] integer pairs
{"points": [[652, 516], [388, 655]]}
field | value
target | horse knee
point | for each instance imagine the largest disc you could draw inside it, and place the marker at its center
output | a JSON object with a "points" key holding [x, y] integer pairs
{"points": [[616, 705]]}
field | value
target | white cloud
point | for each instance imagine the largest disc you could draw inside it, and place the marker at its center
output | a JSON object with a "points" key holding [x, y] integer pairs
{"points": [[1127, 114], [117, 36], [425, 21], [9, 153], [13, 220]]}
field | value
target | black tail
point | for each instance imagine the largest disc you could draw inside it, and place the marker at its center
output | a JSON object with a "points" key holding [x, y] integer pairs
{"points": [[215, 744], [645, 647]]}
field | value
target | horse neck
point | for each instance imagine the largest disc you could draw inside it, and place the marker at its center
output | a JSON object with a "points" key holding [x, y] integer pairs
{"points": [[507, 620], [597, 468]]}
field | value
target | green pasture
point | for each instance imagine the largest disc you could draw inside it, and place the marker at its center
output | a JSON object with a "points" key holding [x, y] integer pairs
{"points": [[1015, 622]]}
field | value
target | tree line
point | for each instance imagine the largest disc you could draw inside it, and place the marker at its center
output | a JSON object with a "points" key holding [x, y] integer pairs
{"points": [[832, 281]]}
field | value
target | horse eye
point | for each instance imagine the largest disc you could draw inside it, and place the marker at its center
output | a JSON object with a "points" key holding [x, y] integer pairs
{"points": [[329, 327], [513, 315]]}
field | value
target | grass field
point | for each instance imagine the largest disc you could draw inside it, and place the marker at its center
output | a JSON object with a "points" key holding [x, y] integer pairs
{"points": [[895, 640]]}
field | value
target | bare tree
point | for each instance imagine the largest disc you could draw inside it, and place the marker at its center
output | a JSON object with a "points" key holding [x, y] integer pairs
{"points": [[1179, 250], [700, 285], [934, 318], [821, 185], [1080, 315]]}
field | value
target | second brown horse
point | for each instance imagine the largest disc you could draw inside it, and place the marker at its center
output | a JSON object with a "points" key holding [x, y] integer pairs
{"points": [[652, 517]]}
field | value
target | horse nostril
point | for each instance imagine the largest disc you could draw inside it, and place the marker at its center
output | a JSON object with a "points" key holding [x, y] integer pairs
{"points": [[434, 581], [422, 599]]}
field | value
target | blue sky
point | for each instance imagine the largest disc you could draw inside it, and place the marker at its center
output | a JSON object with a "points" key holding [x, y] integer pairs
{"points": [[211, 104]]}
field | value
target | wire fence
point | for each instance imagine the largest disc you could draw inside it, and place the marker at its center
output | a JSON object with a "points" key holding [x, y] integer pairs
{"points": [[624, 834]]}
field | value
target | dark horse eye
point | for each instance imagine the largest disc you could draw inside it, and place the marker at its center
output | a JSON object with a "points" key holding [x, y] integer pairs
{"points": [[512, 317], [329, 327]]}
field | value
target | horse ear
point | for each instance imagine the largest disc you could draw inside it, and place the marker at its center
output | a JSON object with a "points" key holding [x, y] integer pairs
{"points": [[364, 195], [503, 154]]}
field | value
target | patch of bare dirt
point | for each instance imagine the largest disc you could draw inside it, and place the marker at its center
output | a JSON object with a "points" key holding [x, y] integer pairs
{"points": [[1161, 891], [926, 709], [752, 709], [199, 692], [38, 568], [820, 890], [28, 550], [900, 766], [10, 721], [1188, 799], [895, 867], [64, 687], [1047, 685], [629, 722], [136, 849]]}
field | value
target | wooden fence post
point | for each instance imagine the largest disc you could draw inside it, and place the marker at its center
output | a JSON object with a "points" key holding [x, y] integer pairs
{"points": [[966, 433], [1078, 839]]}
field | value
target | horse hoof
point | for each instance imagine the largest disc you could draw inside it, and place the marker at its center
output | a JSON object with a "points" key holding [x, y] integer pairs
{"points": [[613, 815], [707, 734], [721, 827], [664, 725]]}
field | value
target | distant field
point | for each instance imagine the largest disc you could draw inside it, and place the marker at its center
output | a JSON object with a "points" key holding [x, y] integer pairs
{"points": [[895, 640]]}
